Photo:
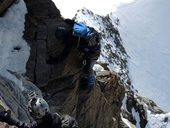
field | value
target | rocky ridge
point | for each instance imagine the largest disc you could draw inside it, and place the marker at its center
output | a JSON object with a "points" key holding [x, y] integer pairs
{"points": [[100, 107]]}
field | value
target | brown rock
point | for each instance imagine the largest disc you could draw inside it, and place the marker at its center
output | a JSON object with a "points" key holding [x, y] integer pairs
{"points": [[98, 107]]}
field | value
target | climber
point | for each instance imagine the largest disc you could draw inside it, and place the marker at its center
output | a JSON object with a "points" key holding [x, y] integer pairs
{"points": [[39, 110], [87, 42]]}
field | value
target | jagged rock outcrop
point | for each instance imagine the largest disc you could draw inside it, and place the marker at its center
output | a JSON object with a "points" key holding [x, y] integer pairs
{"points": [[136, 104], [98, 107], [93, 108], [5, 4], [15, 99], [4, 125], [116, 55], [41, 21]]}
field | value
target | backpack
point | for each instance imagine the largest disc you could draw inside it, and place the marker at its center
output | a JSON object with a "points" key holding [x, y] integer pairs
{"points": [[89, 33], [80, 29]]}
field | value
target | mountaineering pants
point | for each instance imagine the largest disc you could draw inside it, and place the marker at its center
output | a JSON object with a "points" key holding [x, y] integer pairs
{"points": [[90, 59]]}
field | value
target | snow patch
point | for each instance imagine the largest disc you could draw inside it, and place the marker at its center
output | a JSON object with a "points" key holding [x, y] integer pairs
{"points": [[98, 67], [136, 117], [14, 50], [158, 120]]}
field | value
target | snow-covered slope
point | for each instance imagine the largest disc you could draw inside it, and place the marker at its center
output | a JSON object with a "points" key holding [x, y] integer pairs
{"points": [[14, 51], [112, 51], [158, 120], [145, 29], [116, 57]]}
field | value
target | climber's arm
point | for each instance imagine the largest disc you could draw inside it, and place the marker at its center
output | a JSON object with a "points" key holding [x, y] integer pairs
{"points": [[5, 116]]}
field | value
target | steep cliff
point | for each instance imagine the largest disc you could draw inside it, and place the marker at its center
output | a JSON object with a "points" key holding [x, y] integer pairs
{"points": [[98, 107], [106, 105]]}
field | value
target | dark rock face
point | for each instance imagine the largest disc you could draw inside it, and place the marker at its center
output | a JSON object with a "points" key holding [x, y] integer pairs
{"points": [[4, 5], [138, 107], [15, 100], [98, 107], [41, 21]]}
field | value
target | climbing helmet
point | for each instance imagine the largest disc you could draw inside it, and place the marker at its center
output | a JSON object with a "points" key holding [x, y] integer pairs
{"points": [[38, 108]]}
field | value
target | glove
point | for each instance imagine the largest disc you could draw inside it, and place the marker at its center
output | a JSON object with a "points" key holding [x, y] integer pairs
{"points": [[5, 116], [68, 122]]}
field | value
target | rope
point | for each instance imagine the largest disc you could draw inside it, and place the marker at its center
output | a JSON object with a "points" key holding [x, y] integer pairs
{"points": [[78, 43]]}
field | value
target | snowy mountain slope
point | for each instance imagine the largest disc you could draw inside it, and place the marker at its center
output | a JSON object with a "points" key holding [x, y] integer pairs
{"points": [[14, 51], [101, 25], [154, 121], [158, 120], [113, 52], [144, 28], [142, 110]]}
